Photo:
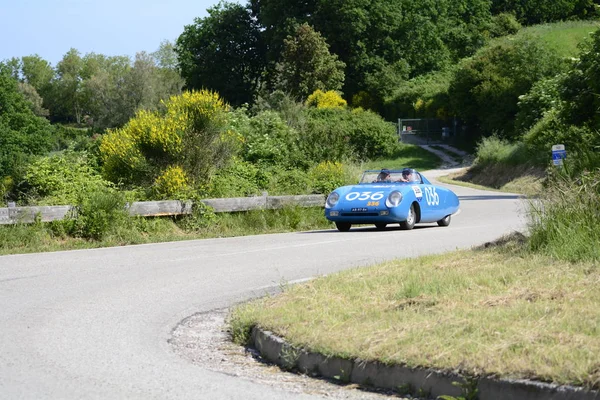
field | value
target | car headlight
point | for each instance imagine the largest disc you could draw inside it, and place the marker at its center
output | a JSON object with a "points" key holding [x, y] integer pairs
{"points": [[394, 198], [332, 199]]}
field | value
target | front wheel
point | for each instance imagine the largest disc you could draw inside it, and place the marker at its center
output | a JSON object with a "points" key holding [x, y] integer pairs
{"points": [[445, 221], [411, 219], [343, 226]]}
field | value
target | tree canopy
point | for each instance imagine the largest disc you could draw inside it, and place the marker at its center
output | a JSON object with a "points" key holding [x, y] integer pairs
{"points": [[222, 52]]}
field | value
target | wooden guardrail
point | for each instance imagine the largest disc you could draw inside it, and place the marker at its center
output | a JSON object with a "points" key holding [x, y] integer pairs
{"points": [[14, 215]]}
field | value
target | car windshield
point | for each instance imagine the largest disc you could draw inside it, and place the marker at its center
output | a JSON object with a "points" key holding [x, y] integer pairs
{"points": [[405, 175]]}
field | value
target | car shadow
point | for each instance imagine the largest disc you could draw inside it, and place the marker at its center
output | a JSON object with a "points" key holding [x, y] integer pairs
{"points": [[367, 228]]}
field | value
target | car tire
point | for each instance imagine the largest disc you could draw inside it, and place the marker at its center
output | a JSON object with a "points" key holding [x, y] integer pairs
{"points": [[445, 221], [380, 226], [343, 226], [411, 219]]}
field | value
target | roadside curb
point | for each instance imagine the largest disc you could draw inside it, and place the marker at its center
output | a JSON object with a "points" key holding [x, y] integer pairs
{"points": [[417, 381]]}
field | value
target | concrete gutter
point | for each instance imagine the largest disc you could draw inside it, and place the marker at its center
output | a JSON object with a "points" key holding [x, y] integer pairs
{"points": [[420, 382]]}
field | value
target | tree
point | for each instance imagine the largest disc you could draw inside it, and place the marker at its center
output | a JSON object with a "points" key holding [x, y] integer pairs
{"points": [[22, 133], [531, 12], [65, 103], [222, 52], [485, 89], [37, 72], [380, 40], [307, 65], [581, 87]]}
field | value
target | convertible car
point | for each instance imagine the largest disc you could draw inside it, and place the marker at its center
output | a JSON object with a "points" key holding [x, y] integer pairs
{"points": [[384, 197]]}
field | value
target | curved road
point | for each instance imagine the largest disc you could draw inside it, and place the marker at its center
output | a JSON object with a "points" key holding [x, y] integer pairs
{"points": [[95, 323]]}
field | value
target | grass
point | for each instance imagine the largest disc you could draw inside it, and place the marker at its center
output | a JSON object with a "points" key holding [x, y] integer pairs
{"points": [[499, 311], [407, 156], [564, 222], [43, 237], [564, 37]]}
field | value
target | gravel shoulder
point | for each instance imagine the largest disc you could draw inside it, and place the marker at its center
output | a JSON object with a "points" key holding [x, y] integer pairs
{"points": [[203, 340]]}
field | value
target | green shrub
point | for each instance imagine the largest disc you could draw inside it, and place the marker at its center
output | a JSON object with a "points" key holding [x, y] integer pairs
{"points": [[504, 24], [493, 150], [288, 182], [485, 89], [60, 179], [327, 175], [543, 97], [344, 134], [99, 212], [202, 217], [269, 140], [239, 179]]}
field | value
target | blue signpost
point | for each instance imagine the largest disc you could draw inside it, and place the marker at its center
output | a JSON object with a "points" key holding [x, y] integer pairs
{"points": [[558, 154]]}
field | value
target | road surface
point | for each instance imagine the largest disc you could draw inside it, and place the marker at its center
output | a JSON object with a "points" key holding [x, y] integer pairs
{"points": [[94, 324]]}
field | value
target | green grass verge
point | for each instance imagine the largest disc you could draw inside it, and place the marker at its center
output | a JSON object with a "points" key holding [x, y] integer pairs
{"points": [[43, 237], [563, 37], [407, 156], [499, 311]]}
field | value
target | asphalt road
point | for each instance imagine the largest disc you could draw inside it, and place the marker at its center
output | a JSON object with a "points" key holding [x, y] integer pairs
{"points": [[90, 324]]}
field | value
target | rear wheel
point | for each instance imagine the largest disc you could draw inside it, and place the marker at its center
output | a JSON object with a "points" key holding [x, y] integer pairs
{"points": [[343, 226], [380, 225], [411, 219], [445, 221]]}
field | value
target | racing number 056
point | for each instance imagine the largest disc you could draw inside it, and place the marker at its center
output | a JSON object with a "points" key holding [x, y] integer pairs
{"points": [[364, 196]]}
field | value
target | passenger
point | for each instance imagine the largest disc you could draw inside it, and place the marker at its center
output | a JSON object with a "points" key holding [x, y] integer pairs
{"points": [[407, 175], [384, 176]]}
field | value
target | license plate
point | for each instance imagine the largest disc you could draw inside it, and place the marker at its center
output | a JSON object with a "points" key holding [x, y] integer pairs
{"points": [[360, 209]]}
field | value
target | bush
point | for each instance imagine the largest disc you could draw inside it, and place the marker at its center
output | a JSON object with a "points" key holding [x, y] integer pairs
{"points": [[329, 99], [344, 134], [269, 140], [99, 212], [60, 179], [493, 150], [288, 182], [172, 184], [239, 179], [326, 176], [190, 133], [543, 97], [485, 89], [504, 24]]}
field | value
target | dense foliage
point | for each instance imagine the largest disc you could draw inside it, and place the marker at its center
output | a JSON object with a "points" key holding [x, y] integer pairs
{"points": [[22, 133], [222, 52], [171, 150]]}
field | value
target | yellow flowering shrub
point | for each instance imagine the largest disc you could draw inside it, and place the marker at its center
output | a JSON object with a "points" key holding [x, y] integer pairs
{"points": [[327, 175], [172, 183], [329, 99], [186, 140]]}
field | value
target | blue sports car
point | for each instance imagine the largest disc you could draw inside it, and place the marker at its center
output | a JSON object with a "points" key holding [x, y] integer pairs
{"points": [[385, 196]]}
